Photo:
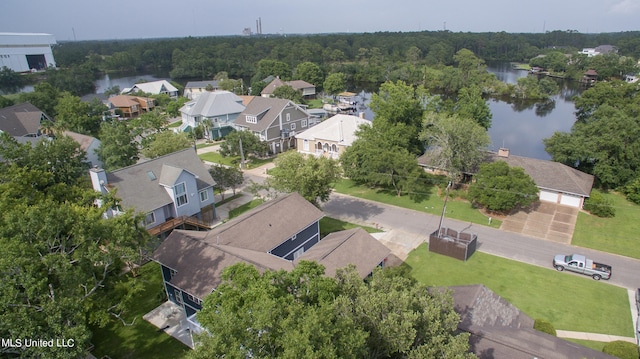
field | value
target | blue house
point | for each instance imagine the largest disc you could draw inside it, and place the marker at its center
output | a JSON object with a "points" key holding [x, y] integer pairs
{"points": [[273, 236]]}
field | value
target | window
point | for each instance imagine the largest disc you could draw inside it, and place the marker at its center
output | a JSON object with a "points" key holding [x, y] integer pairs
{"points": [[173, 272], [204, 196], [305, 145], [304, 123], [149, 218], [178, 296], [181, 194], [298, 253], [193, 299], [293, 126], [252, 119], [288, 117]]}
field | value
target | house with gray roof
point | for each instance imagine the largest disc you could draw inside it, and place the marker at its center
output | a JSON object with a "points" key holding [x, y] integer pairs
{"points": [[268, 237], [275, 121], [171, 190], [193, 89], [558, 183], [154, 88], [22, 120], [89, 145], [331, 137], [308, 90], [500, 330], [216, 111]]}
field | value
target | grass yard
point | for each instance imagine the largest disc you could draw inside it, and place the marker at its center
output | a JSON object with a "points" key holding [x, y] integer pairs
{"points": [[617, 235], [569, 302], [233, 161], [143, 339], [330, 225], [431, 203], [245, 207]]}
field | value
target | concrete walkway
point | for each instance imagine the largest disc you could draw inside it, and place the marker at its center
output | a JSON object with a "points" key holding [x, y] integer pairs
{"points": [[593, 336]]}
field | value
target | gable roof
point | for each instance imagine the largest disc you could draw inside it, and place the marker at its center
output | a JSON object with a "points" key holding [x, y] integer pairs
{"points": [[550, 175], [123, 101], [201, 84], [212, 104], [200, 257], [339, 128], [84, 140], [155, 87], [339, 249], [21, 119], [266, 110], [136, 189], [500, 330], [276, 82], [267, 225]]}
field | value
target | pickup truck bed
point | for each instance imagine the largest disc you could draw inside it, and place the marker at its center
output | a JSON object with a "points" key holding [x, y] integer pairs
{"points": [[579, 264]]}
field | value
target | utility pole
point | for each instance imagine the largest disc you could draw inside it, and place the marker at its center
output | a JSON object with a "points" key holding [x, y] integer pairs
{"points": [[444, 208], [241, 153]]}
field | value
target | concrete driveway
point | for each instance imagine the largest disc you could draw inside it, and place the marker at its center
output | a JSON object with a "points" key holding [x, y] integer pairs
{"points": [[545, 220]]}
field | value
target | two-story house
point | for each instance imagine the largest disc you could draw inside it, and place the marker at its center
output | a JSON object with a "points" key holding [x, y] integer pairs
{"points": [[154, 88], [275, 235], [331, 137], [193, 89], [216, 111], [23, 120], [275, 121], [174, 190], [130, 106], [308, 90]]}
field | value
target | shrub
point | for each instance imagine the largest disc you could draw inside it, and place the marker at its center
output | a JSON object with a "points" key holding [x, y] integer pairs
{"points": [[632, 191], [599, 205], [544, 326], [622, 350]]}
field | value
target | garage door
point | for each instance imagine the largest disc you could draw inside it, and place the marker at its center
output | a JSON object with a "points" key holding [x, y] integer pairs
{"points": [[549, 196], [570, 200]]}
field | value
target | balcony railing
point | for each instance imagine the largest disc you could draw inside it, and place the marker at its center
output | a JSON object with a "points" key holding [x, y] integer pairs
{"points": [[177, 222]]}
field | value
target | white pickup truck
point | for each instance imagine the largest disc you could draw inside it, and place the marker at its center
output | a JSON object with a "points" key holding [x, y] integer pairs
{"points": [[580, 264]]}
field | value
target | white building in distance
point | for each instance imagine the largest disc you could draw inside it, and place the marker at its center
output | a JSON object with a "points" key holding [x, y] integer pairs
{"points": [[23, 52]]}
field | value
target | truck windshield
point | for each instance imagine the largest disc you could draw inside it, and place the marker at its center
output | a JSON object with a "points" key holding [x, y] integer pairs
{"points": [[568, 258]]}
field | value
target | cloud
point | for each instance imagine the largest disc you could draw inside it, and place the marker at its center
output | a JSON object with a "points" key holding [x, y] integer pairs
{"points": [[627, 7]]}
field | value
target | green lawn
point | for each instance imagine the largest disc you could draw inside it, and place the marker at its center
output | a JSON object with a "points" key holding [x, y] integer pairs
{"points": [[245, 207], [141, 340], [617, 235], [330, 225], [233, 160], [431, 203], [588, 343], [568, 301]]}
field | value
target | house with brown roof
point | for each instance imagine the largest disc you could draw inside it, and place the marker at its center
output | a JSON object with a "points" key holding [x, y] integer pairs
{"points": [[171, 191], [23, 120], [500, 330], [558, 183], [89, 145], [267, 237], [275, 121], [130, 106], [308, 90]]}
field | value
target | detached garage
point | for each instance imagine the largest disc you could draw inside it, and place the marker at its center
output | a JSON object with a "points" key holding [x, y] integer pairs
{"points": [[558, 183], [23, 52]]}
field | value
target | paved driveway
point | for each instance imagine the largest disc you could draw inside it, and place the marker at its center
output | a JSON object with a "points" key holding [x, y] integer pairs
{"points": [[545, 220]]}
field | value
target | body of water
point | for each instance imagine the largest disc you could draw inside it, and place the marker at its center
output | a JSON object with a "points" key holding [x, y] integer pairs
{"points": [[522, 127]]}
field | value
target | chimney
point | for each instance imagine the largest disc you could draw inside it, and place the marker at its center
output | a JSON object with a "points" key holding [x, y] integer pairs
{"points": [[503, 152], [98, 179]]}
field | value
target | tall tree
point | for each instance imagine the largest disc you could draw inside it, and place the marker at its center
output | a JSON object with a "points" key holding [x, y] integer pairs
{"points": [[75, 115], [456, 144], [303, 314], [470, 104], [312, 177], [309, 72], [251, 144], [226, 177], [335, 83], [165, 142], [117, 145], [289, 93]]}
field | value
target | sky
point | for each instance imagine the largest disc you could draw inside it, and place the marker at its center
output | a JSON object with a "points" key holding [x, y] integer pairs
{"points": [[80, 20]]}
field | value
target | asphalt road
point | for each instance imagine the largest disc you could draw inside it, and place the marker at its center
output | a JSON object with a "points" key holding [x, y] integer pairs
{"points": [[626, 271]]}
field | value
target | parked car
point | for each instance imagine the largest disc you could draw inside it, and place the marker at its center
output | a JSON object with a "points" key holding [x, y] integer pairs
{"points": [[580, 264]]}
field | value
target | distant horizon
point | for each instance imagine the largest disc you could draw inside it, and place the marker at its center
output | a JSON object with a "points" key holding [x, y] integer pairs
{"points": [[82, 20]]}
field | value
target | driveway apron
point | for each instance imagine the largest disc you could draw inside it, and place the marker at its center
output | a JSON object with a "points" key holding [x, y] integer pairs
{"points": [[545, 220]]}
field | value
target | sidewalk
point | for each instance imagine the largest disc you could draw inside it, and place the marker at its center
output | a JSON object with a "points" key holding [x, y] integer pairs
{"points": [[593, 336]]}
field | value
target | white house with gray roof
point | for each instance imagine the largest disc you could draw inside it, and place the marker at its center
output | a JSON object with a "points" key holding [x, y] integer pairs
{"points": [[275, 121], [193, 89], [170, 190], [154, 88], [221, 108]]}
